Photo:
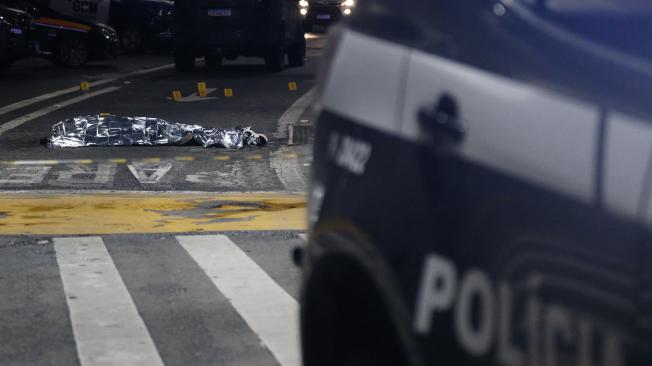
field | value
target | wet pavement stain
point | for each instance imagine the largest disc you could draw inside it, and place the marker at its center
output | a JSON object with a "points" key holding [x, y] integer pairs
{"points": [[223, 211], [50, 208]]}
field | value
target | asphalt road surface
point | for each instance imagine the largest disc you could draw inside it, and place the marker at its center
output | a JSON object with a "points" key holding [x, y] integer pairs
{"points": [[175, 255]]}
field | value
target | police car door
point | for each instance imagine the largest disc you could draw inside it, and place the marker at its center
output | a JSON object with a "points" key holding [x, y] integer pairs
{"points": [[531, 184]]}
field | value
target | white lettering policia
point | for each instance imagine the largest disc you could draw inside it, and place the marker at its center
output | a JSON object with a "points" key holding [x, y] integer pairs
{"points": [[445, 291]]}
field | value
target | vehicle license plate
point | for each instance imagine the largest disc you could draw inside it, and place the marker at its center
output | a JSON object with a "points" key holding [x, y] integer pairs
{"points": [[323, 16], [219, 12]]}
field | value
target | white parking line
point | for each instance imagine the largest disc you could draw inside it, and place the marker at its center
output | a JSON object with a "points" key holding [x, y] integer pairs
{"points": [[268, 310], [26, 102], [107, 327], [42, 112], [147, 71], [40, 98]]}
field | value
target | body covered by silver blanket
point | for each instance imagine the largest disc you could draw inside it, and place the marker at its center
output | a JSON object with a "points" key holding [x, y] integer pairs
{"points": [[110, 130]]}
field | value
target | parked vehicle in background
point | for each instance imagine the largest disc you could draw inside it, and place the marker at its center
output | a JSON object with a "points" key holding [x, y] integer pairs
{"points": [[71, 42], [142, 24], [14, 32], [482, 186], [320, 14], [65, 40], [217, 29]]}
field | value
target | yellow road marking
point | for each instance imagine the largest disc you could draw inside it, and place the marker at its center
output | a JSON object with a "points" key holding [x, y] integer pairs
{"points": [[121, 213], [222, 157], [184, 158], [83, 161], [291, 155], [118, 161], [30, 162], [254, 157], [152, 160]]}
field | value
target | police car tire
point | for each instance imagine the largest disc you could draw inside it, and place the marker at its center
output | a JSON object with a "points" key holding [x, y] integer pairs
{"points": [[184, 60], [72, 52]]}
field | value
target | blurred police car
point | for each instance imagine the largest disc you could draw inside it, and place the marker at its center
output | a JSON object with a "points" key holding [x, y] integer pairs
{"points": [[481, 191]]}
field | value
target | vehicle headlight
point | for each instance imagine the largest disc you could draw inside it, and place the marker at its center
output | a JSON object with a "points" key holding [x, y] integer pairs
{"points": [[304, 3], [164, 12], [348, 3], [107, 31]]}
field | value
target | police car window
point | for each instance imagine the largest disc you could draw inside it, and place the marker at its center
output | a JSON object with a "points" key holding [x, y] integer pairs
{"points": [[625, 25]]}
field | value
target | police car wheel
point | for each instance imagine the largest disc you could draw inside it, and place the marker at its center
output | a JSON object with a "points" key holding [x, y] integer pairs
{"points": [[344, 318], [72, 52], [131, 40], [184, 60]]}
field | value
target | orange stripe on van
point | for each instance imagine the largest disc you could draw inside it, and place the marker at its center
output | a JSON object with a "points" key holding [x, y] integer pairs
{"points": [[62, 24]]}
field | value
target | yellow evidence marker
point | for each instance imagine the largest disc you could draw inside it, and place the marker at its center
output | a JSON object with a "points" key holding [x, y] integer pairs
{"points": [[83, 86], [228, 93], [292, 86], [176, 96], [201, 89]]}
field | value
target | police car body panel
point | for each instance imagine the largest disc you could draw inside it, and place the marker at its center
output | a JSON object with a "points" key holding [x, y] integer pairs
{"points": [[481, 187], [64, 39]]}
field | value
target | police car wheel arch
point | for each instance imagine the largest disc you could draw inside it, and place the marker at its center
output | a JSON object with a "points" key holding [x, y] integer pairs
{"points": [[338, 241]]}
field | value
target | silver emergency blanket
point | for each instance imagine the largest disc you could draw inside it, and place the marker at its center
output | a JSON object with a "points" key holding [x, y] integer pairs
{"points": [[110, 130]]}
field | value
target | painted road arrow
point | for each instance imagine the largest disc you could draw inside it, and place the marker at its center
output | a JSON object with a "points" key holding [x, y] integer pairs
{"points": [[196, 98], [149, 172]]}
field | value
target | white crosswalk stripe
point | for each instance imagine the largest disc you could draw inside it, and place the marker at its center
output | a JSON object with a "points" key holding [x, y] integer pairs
{"points": [[112, 325], [253, 293], [105, 321]]}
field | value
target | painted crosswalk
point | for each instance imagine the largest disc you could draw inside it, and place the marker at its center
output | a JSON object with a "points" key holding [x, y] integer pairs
{"points": [[281, 169], [150, 300]]}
